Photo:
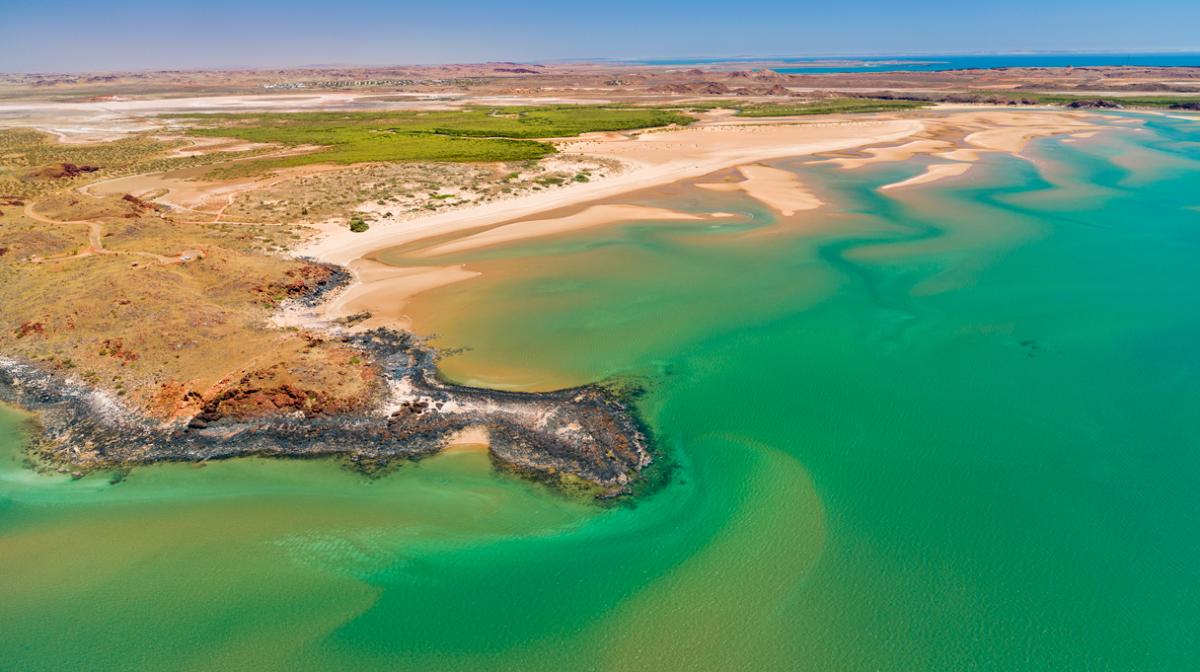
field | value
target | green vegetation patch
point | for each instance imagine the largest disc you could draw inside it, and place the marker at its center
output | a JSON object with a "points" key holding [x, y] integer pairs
{"points": [[1021, 97], [1178, 102], [829, 106], [469, 135]]}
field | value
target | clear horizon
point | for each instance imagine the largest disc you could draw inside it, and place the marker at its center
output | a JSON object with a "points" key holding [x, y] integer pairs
{"points": [[620, 59], [139, 35]]}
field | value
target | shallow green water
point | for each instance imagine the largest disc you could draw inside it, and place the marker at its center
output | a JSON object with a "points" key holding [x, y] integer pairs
{"points": [[948, 428]]}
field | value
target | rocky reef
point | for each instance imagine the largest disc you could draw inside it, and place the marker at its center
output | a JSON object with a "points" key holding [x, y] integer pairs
{"points": [[583, 438]]}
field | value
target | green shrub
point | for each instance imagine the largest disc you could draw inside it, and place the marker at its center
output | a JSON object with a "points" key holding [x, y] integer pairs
{"points": [[829, 106], [469, 135]]}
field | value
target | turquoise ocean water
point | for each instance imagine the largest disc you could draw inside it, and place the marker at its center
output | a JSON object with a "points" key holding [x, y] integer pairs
{"points": [[949, 427]]}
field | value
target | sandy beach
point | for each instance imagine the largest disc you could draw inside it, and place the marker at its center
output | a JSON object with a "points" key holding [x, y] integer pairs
{"points": [[652, 158], [380, 289], [663, 156]]}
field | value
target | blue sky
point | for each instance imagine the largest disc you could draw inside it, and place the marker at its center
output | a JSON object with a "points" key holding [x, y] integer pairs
{"points": [[67, 35]]}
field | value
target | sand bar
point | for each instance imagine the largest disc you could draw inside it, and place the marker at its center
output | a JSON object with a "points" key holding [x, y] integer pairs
{"points": [[934, 173], [888, 154], [964, 136], [776, 188], [595, 215]]}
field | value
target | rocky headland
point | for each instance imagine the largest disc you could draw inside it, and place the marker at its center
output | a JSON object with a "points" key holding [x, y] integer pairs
{"points": [[584, 438]]}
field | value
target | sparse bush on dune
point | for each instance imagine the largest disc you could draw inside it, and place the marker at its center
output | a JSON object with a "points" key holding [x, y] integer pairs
{"points": [[34, 164], [405, 188]]}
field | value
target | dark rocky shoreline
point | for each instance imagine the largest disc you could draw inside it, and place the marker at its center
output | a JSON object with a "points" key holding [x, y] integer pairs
{"points": [[581, 438]]}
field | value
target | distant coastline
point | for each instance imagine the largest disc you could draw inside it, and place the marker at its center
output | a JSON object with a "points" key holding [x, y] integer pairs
{"points": [[938, 62]]}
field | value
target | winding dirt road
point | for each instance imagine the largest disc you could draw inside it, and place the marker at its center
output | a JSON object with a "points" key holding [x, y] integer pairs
{"points": [[96, 244]]}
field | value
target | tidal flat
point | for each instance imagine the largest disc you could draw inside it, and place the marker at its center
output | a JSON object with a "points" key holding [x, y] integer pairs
{"points": [[944, 426]]}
